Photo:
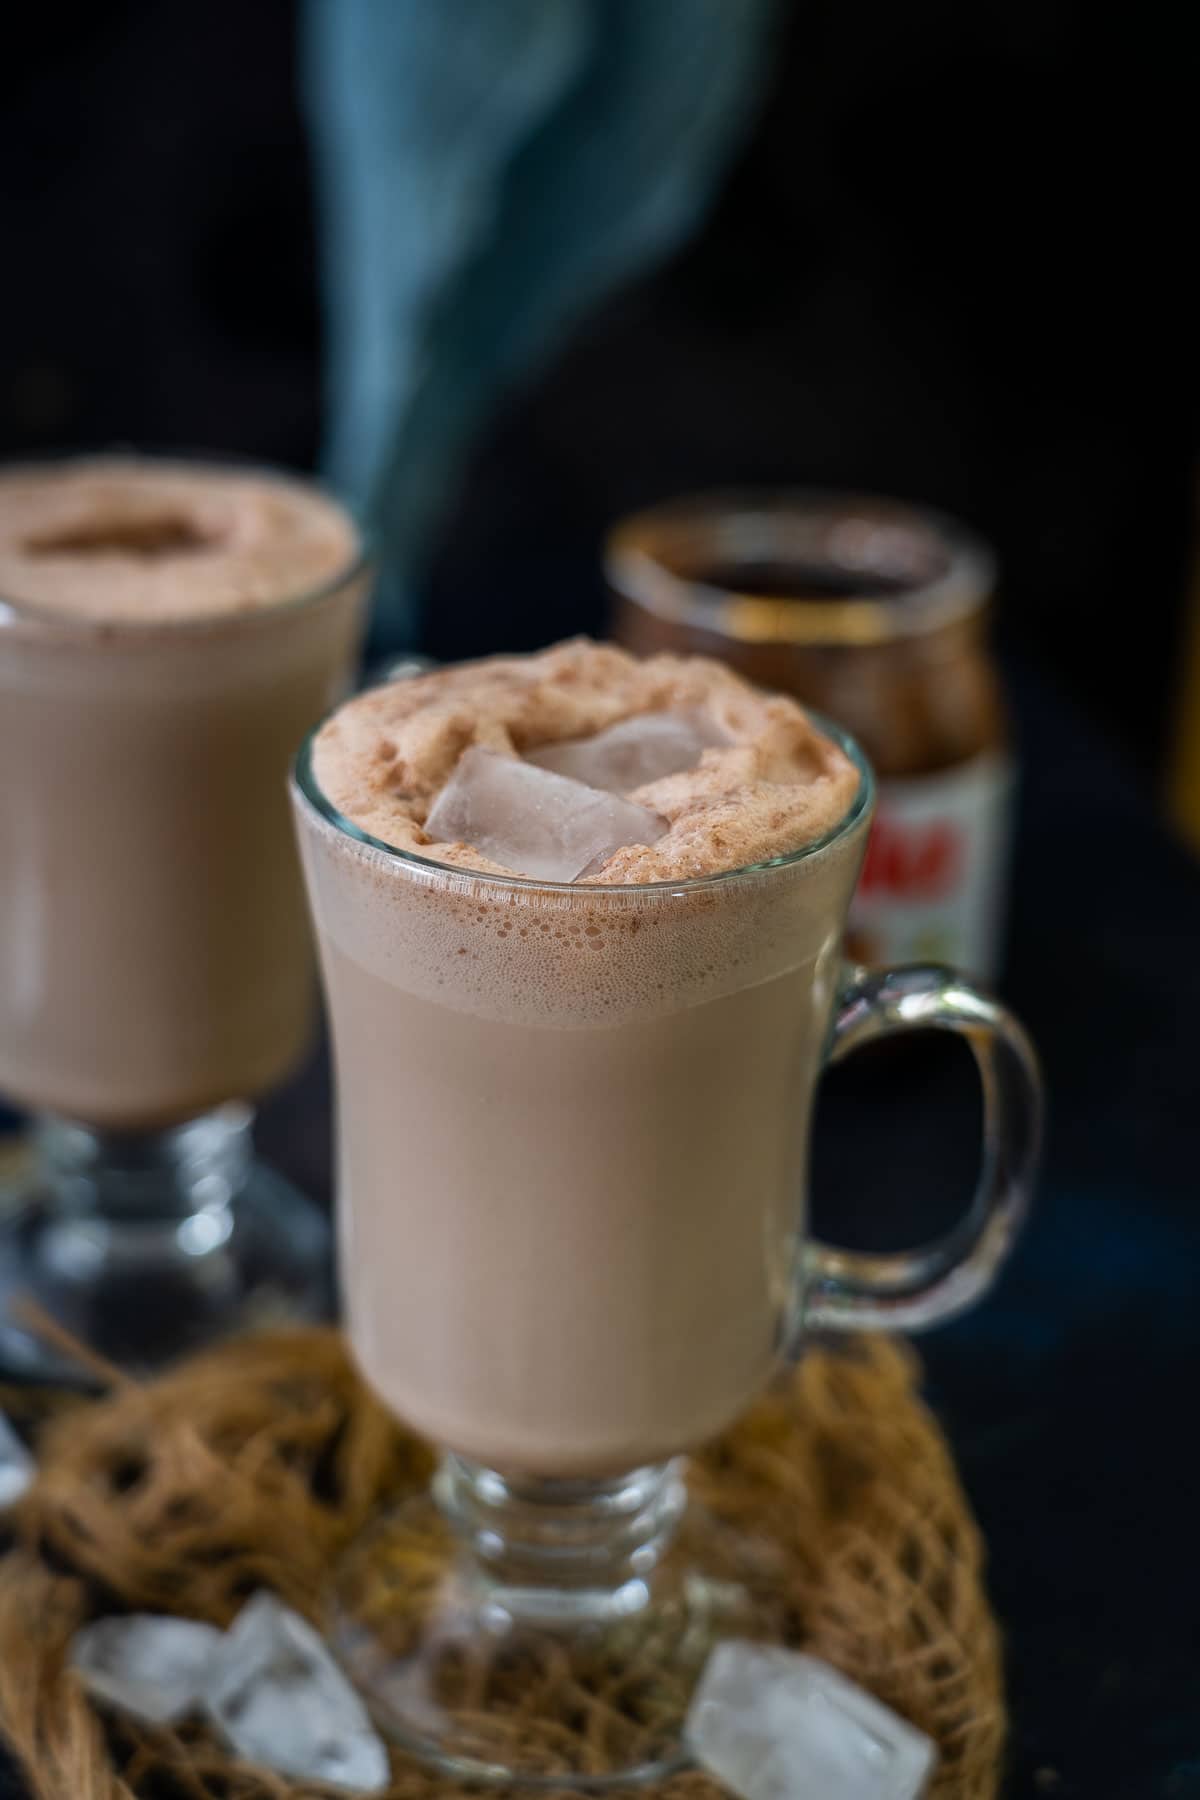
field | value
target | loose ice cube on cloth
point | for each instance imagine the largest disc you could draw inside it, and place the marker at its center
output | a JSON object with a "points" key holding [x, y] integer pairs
{"points": [[773, 1724], [533, 821], [638, 750], [17, 1466], [150, 1665], [280, 1699]]}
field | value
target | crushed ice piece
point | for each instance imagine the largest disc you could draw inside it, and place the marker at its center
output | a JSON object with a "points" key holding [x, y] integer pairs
{"points": [[400, 668], [635, 751], [774, 1724], [17, 1467], [533, 821], [147, 1664], [279, 1699]]}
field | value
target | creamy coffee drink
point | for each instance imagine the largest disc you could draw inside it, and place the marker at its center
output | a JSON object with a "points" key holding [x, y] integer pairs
{"points": [[573, 1110], [168, 632]]}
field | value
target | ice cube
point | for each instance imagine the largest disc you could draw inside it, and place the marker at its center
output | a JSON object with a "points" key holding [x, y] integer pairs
{"points": [[279, 1699], [149, 1665], [774, 1724], [399, 668], [637, 750], [16, 1465], [533, 821]]}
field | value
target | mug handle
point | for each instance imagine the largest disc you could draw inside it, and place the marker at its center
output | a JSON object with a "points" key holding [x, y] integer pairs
{"points": [[907, 1290]]}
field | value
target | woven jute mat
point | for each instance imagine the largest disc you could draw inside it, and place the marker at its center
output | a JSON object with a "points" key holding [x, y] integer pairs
{"points": [[254, 1465]]}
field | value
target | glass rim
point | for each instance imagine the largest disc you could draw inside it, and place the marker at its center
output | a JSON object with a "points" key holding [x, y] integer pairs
{"points": [[63, 622], [958, 586], [860, 807]]}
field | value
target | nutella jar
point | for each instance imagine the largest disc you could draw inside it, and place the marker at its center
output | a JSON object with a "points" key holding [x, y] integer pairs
{"points": [[872, 612]]}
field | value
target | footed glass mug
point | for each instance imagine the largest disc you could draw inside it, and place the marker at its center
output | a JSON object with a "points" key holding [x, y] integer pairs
{"points": [[156, 969], [573, 1140]]}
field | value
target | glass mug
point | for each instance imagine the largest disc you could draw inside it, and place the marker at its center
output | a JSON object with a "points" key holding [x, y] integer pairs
{"points": [[156, 968], [573, 1129]]}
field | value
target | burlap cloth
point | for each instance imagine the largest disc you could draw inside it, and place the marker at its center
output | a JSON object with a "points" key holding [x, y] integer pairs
{"points": [[253, 1465]]}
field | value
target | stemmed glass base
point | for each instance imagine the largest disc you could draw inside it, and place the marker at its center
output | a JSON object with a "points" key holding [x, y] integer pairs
{"points": [[543, 1632], [149, 1244]]}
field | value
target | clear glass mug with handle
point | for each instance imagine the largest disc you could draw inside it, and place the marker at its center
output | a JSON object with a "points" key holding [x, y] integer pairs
{"points": [[156, 967], [573, 1127]]}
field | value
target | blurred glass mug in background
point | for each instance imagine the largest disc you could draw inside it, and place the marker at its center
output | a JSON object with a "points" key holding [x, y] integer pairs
{"points": [[168, 631], [873, 612], [597, 1261]]}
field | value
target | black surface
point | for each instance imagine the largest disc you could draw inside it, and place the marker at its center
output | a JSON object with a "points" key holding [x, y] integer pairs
{"points": [[1069, 1397]]}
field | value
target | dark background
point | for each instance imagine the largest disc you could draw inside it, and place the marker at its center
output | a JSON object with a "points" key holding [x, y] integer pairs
{"points": [[953, 262]]}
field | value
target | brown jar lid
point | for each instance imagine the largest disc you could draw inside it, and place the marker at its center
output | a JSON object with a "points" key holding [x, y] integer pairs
{"points": [[800, 567]]}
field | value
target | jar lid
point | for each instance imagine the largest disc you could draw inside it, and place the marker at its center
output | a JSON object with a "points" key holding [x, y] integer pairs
{"points": [[821, 569]]}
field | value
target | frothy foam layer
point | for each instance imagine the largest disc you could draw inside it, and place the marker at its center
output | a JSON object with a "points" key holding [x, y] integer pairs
{"points": [[773, 785], [108, 538]]}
